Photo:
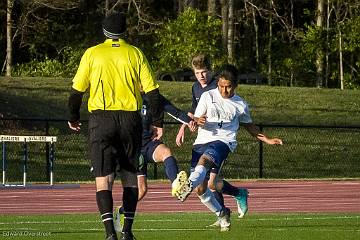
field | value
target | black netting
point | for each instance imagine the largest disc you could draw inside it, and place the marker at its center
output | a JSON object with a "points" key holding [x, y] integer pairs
{"points": [[308, 152]]}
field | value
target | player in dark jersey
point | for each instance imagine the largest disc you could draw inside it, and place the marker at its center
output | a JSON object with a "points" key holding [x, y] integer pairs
{"points": [[155, 150]]}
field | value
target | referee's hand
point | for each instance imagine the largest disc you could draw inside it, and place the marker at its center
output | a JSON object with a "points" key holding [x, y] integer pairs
{"points": [[75, 126]]}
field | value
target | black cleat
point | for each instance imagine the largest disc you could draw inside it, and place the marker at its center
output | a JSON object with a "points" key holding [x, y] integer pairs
{"points": [[127, 236], [111, 237]]}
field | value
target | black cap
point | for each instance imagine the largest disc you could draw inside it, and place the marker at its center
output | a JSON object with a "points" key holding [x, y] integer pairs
{"points": [[114, 25]]}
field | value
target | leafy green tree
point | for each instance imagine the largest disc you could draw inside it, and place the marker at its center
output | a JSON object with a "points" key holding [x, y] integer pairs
{"points": [[350, 35], [192, 32]]}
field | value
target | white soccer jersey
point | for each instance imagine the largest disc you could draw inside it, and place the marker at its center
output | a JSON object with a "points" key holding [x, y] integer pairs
{"points": [[223, 118]]}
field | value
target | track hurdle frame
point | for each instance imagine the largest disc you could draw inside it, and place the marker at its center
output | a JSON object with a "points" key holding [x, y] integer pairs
{"points": [[26, 139]]}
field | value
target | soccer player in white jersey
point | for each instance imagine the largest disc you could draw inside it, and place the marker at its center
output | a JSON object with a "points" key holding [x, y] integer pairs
{"points": [[201, 66], [219, 114]]}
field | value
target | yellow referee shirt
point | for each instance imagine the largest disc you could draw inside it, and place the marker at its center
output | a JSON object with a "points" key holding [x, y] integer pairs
{"points": [[114, 71]]}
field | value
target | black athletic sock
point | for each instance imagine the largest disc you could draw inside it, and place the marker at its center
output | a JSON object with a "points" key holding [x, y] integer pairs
{"points": [[105, 205], [230, 189], [130, 197], [220, 198], [171, 168]]}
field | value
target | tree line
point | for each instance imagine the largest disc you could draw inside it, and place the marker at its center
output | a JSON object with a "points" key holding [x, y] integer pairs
{"points": [[287, 42]]}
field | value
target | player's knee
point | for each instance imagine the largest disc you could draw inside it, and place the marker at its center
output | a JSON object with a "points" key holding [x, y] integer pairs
{"points": [[166, 150], [200, 190], [206, 161], [104, 183], [163, 153], [128, 179]]}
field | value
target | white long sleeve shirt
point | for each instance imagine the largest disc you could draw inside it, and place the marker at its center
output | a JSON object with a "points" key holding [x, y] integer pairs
{"points": [[223, 118]]}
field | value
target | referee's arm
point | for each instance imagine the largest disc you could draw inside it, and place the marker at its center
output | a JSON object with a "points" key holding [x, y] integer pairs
{"points": [[156, 107], [74, 105]]}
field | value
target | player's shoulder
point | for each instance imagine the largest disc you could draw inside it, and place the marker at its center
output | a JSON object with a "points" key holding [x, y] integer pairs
{"points": [[211, 92], [134, 48], [91, 49], [196, 85], [237, 97], [213, 83], [197, 89], [239, 100]]}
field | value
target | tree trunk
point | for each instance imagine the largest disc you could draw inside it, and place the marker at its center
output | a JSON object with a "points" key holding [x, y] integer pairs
{"points": [[269, 48], [256, 30], [211, 7], [327, 65], [225, 22], [192, 3], [107, 7], [341, 62], [8, 60], [180, 6], [320, 52], [292, 69], [184, 4], [230, 43], [176, 6]]}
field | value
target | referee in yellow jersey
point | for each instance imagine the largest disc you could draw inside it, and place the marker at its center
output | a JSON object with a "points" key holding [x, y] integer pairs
{"points": [[113, 72]]}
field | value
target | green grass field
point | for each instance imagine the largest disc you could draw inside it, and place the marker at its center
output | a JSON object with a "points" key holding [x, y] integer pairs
{"points": [[47, 98], [307, 152], [187, 226]]}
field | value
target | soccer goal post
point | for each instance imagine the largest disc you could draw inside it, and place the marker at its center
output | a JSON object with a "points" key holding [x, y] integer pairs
{"points": [[25, 140]]}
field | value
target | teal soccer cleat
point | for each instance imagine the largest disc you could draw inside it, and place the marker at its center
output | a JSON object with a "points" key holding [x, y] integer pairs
{"points": [[241, 201]]}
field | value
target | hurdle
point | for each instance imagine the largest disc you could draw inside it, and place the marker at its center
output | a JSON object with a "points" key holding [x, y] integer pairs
{"points": [[25, 140]]}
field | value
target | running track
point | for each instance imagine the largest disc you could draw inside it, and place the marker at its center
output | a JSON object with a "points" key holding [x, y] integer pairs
{"points": [[265, 197]]}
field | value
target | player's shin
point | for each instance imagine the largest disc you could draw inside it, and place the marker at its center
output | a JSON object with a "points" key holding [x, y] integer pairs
{"points": [[130, 199], [209, 200], [171, 168], [198, 175], [105, 204]]}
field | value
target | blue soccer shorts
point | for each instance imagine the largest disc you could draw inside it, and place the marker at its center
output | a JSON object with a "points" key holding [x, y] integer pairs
{"points": [[147, 152], [217, 151]]}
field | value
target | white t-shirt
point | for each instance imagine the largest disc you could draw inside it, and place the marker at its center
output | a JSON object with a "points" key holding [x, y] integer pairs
{"points": [[223, 118]]}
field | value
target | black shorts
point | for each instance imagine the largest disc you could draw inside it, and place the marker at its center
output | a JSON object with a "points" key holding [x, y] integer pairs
{"points": [[115, 139], [147, 151]]}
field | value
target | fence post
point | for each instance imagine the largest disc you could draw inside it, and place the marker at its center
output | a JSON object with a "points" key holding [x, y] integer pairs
{"points": [[3, 163], [25, 150], [261, 163], [47, 151], [155, 171], [51, 163]]}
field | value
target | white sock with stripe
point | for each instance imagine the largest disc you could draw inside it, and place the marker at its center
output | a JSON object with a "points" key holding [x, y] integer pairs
{"points": [[198, 175], [209, 200]]}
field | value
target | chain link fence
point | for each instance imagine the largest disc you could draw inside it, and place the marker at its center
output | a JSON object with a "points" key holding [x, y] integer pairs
{"points": [[308, 152]]}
